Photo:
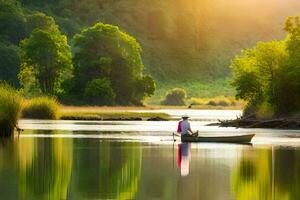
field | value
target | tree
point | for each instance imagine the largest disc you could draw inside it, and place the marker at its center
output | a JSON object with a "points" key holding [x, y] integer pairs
{"points": [[41, 21], [9, 63], [255, 71], [288, 97], [12, 21], [99, 91], [175, 97], [104, 51], [47, 55], [268, 74]]}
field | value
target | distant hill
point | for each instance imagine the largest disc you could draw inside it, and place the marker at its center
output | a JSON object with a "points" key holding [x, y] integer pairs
{"points": [[181, 39]]}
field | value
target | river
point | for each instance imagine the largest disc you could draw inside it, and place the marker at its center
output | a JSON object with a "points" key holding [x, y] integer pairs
{"points": [[139, 160]]}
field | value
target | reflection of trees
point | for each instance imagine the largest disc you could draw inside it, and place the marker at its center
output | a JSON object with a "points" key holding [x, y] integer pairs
{"points": [[108, 170], [256, 178], [287, 170], [8, 169], [45, 168]]}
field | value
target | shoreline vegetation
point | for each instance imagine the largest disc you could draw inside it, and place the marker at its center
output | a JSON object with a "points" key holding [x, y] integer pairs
{"points": [[110, 114], [10, 110], [274, 123], [119, 113]]}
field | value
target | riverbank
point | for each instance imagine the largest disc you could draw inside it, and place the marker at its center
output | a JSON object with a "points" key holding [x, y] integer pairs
{"points": [[277, 123], [110, 114], [65, 108]]}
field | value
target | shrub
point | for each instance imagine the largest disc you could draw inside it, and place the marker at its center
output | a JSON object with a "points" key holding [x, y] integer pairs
{"points": [[41, 108], [175, 96], [10, 108], [99, 91], [212, 103]]}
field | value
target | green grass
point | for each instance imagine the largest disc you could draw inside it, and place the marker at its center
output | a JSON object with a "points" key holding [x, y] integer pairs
{"points": [[217, 101], [10, 109], [41, 108], [194, 89], [110, 115]]}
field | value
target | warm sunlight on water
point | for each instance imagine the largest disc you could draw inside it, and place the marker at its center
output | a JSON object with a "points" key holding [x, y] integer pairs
{"points": [[139, 160], [76, 168]]}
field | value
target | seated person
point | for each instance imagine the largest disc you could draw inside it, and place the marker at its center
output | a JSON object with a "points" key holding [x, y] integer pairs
{"points": [[184, 127]]}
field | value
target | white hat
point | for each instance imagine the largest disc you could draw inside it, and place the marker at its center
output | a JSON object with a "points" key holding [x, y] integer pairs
{"points": [[185, 116]]}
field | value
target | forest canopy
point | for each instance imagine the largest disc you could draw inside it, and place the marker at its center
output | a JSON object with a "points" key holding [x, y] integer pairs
{"points": [[185, 44], [267, 75], [37, 55]]}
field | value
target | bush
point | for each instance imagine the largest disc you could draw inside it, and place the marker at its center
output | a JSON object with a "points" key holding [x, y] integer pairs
{"points": [[99, 91], [10, 108], [41, 108], [212, 103], [175, 97]]}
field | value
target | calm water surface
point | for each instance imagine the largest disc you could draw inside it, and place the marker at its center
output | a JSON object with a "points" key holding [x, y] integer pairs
{"points": [[139, 160]]}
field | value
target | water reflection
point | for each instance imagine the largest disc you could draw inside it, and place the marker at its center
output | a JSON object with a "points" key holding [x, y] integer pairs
{"points": [[78, 168], [183, 159], [44, 168], [269, 174], [64, 168], [105, 170]]}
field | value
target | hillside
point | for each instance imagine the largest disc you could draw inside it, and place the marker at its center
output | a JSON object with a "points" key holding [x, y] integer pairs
{"points": [[180, 38]]}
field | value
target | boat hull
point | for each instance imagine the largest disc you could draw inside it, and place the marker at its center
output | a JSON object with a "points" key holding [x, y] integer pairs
{"points": [[220, 139]]}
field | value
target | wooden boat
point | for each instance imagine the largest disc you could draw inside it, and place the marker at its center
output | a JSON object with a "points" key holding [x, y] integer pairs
{"points": [[220, 139]]}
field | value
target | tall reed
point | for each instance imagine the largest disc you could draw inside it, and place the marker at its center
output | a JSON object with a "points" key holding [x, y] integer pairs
{"points": [[41, 108], [10, 109]]}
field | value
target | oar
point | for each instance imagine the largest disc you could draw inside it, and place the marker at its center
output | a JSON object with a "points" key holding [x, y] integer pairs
{"points": [[173, 151], [174, 137]]}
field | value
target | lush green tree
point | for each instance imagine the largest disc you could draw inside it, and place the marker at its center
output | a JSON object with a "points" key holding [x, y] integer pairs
{"points": [[288, 85], [12, 21], [46, 56], [100, 91], [175, 96], [104, 51], [9, 63], [41, 21], [267, 76], [146, 87], [256, 73]]}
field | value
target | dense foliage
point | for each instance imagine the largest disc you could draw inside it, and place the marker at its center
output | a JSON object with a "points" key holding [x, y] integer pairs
{"points": [[106, 58], [45, 55], [35, 55], [267, 76], [12, 21], [9, 63], [99, 91], [12, 30], [175, 97], [181, 39]]}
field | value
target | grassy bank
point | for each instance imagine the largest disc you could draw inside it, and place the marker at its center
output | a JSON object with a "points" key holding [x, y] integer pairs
{"points": [[220, 102], [109, 113], [194, 89]]}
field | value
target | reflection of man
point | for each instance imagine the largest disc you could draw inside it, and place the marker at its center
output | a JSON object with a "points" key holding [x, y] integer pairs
{"points": [[183, 159]]}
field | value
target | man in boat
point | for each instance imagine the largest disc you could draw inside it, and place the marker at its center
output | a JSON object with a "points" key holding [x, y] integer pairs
{"points": [[184, 127]]}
